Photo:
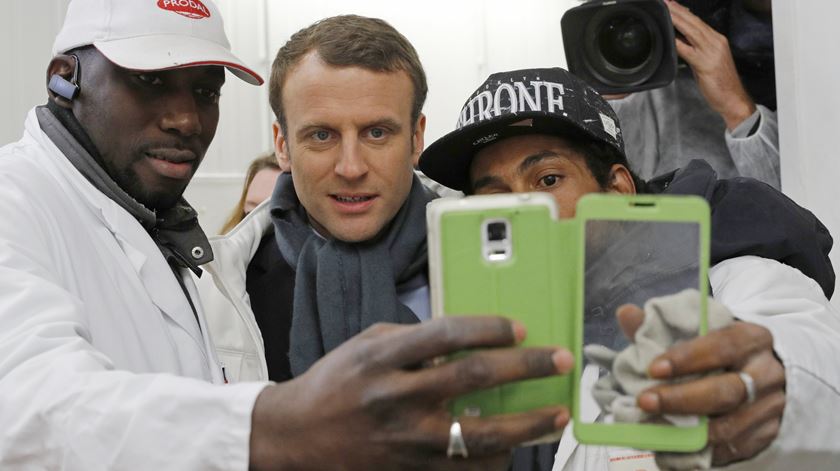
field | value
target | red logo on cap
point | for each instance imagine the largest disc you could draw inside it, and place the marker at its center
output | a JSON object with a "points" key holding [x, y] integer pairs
{"points": [[190, 8]]}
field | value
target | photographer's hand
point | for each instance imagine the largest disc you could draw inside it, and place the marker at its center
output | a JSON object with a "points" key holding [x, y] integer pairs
{"points": [[738, 429], [708, 54], [370, 404]]}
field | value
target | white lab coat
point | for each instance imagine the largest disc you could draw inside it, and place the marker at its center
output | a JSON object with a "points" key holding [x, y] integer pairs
{"points": [[102, 362]]}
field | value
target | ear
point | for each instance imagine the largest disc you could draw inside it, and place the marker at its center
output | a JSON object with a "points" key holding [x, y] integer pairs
{"points": [[62, 66], [281, 148], [417, 139], [621, 181]]}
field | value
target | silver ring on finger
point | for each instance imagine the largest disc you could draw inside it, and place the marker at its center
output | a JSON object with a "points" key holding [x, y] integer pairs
{"points": [[456, 447], [749, 385], [732, 450]]}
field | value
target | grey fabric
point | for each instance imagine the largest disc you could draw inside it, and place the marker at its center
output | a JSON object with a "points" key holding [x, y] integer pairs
{"points": [[665, 323], [748, 127], [342, 288], [417, 297], [664, 129]]}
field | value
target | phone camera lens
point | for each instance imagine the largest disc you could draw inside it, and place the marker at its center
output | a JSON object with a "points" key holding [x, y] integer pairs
{"points": [[496, 231]]}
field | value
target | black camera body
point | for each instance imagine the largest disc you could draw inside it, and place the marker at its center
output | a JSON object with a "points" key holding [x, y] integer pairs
{"points": [[620, 46]]}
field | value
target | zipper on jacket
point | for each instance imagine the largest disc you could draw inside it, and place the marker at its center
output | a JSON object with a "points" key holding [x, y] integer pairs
{"points": [[224, 373]]}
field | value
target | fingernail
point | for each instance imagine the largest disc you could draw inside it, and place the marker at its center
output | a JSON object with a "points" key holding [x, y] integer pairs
{"points": [[563, 360], [519, 331], [648, 401], [661, 369], [561, 420]]}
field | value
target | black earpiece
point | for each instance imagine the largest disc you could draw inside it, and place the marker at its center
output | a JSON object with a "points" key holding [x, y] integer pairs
{"points": [[64, 88]]}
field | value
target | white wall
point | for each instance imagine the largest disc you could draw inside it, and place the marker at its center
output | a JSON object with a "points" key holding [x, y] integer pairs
{"points": [[27, 35], [459, 42], [245, 122], [807, 73]]}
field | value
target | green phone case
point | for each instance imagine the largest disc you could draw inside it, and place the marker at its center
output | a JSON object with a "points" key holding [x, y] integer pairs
{"points": [[686, 209], [527, 286], [541, 285]]}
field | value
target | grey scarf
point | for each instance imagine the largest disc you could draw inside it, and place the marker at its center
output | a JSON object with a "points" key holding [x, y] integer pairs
{"points": [[342, 288]]}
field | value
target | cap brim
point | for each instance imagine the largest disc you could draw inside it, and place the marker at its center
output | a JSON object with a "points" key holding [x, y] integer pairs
{"points": [[448, 160], [163, 52]]}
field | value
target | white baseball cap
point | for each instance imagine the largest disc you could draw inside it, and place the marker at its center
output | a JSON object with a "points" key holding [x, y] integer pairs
{"points": [[152, 34]]}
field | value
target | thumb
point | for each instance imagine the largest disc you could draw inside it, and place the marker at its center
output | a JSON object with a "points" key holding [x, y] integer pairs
{"points": [[630, 318]]}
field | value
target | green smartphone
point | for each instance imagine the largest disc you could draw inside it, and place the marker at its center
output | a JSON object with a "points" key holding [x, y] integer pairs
{"points": [[497, 255], [634, 248], [510, 255]]}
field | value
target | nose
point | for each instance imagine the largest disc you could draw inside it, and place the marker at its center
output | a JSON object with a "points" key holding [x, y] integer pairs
{"points": [[181, 115], [351, 162]]}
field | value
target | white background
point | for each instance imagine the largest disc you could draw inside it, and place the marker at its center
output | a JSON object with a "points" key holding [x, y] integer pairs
{"points": [[460, 42]]}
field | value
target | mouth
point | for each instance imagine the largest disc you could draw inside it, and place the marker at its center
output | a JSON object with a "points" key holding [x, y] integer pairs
{"points": [[353, 203], [352, 199], [171, 162], [173, 155]]}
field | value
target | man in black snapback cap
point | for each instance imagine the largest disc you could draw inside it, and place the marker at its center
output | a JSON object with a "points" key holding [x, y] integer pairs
{"points": [[522, 102], [546, 130]]}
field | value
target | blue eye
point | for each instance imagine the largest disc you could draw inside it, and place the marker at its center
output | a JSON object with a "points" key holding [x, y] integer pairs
{"points": [[377, 133], [321, 135]]}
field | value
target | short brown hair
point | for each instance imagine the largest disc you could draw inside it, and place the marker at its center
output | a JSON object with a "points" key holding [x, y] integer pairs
{"points": [[349, 41]]}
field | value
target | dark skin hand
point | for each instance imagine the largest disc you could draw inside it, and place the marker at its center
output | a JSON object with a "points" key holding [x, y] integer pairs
{"points": [[370, 404], [737, 430]]}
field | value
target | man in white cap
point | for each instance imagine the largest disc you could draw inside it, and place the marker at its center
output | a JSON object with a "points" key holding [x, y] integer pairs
{"points": [[105, 358]]}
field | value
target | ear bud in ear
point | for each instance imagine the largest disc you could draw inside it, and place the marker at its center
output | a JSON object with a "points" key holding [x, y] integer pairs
{"points": [[63, 88], [67, 89]]}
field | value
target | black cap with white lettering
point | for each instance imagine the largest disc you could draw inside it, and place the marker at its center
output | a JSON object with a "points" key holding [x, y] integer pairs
{"points": [[530, 101]]}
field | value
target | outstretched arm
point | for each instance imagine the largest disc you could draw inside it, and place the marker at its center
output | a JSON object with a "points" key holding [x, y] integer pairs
{"points": [[372, 404]]}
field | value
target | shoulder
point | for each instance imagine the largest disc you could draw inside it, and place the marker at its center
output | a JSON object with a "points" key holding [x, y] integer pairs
{"points": [[27, 188], [751, 285], [236, 248], [21, 165], [750, 217]]}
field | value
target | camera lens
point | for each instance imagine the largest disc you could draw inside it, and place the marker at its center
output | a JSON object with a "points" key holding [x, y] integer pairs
{"points": [[625, 41], [623, 46], [496, 231]]}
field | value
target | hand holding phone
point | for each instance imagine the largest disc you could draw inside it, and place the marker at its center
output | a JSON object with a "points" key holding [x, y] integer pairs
{"points": [[496, 255]]}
